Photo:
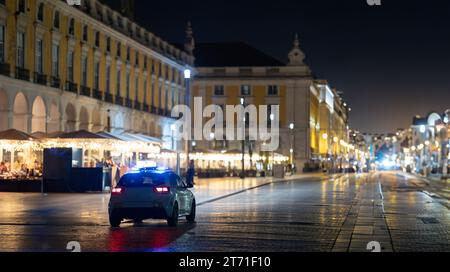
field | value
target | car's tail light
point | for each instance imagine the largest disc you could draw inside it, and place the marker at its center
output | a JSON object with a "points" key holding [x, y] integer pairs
{"points": [[117, 191], [162, 189]]}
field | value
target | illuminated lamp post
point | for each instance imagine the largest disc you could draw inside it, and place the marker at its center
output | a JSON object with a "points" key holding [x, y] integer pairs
{"points": [[187, 79]]}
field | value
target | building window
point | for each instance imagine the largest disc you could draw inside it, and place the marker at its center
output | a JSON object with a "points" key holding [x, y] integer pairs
{"points": [[2, 43], [219, 90], [97, 39], [40, 12], [108, 78], [136, 87], [72, 27], [21, 6], [97, 75], [145, 63], [39, 56], [128, 85], [272, 90], [85, 33], [145, 90], [128, 54], [118, 78], [108, 44], [119, 50], [70, 57], [137, 59], [20, 49], [245, 90], [56, 20], [55, 60], [84, 67]]}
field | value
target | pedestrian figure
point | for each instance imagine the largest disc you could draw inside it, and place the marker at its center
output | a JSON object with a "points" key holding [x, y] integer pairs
{"points": [[190, 174]]}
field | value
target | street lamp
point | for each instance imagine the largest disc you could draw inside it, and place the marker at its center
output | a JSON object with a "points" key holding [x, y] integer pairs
{"points": [[291, 127], [242, 175], [187, 79]]}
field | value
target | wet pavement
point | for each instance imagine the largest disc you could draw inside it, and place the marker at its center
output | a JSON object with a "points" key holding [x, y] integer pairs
{"points": [[307, 213]]}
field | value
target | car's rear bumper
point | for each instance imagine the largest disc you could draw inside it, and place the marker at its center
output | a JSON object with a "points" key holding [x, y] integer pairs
{"points": [[141, 213]]}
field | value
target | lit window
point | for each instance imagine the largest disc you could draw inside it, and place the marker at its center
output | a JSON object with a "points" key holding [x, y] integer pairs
{"points": [[39, 56], [55, 60], [20, 49]]}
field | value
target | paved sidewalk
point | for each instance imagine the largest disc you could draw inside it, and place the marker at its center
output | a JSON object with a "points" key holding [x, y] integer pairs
{"points": [[433, 187], [208, 190]]}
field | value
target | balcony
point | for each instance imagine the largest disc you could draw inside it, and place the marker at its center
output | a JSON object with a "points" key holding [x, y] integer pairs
{"points": [[86, 91], [55, 82], [137, 105], [5, 69], [40, 78], [128, 103], [109, 98], [119, 100], [71, 87], [145, 107], [22, 73], [98, 94]]}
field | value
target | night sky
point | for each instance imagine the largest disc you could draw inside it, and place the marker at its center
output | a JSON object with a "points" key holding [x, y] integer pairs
{"points": [[392, 61]]}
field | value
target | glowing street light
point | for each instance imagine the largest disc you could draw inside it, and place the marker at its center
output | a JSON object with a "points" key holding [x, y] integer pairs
{"points": [[422, 129], [187, 73], [291, 126], [325, 136], [335, 139]]}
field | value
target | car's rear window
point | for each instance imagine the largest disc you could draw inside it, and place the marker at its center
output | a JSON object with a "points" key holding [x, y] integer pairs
{"points": [[142, 180]]}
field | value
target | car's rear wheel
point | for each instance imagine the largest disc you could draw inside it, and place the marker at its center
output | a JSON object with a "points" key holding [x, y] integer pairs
{"points": [[114, 220], [173, 219], [191, 217]]}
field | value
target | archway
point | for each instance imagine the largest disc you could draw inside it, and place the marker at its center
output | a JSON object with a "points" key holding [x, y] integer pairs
{"points": [[152, 129], [54, 118], [84, 119], [39, 114], [118, 123], [144, 129], [20, 113], [96, 120], [71, 118], [3, 111]]}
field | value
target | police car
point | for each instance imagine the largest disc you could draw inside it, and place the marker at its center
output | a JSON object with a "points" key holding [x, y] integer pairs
{"points": [[151, 193]]}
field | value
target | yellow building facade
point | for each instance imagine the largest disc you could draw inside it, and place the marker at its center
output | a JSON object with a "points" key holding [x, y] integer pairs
{"points": [[87, 67], [257, 79]]}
